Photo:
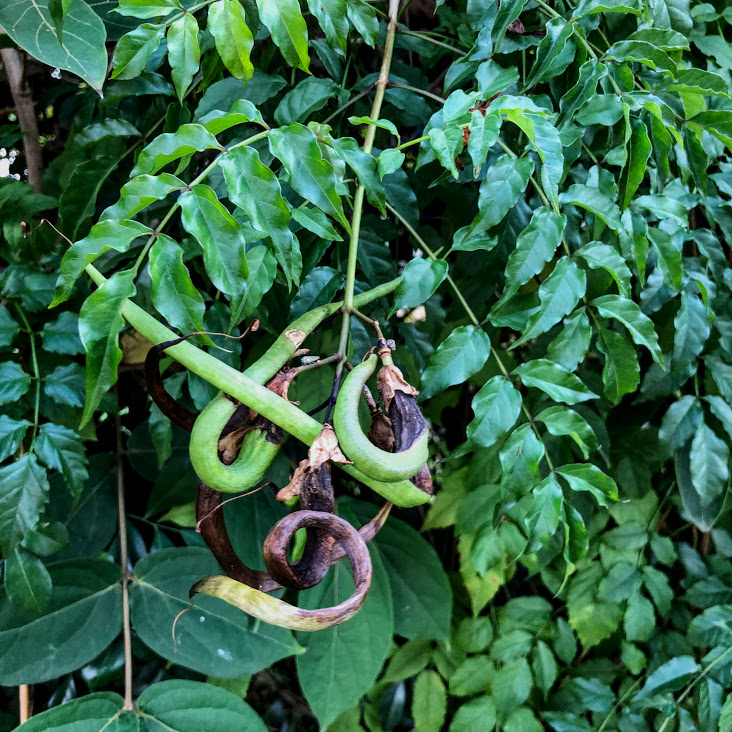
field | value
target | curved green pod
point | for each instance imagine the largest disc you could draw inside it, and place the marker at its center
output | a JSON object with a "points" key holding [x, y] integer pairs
{"points": [[377, 463], [257, 452]]}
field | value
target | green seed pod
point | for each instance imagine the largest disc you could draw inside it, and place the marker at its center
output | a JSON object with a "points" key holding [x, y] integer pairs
{"points": [[369, 459], [257, 452]]}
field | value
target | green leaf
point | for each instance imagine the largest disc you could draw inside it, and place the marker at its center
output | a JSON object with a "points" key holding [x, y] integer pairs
{"points": [[554, 54], [709, 465], [332, 18], [663, 38], [496, 408], [669, 257], [100, 322], [493, 78], [184, 52], [220, 237], [366, 168], [134, 50], [83, 51], [364, 20], [664, 207], [62, 449], [173, 294], [629, 314], [27, 582], [171, 146], [227, 643], [512, 685], [462, 354], [447, 145], [478, 713], [720, 409], [535, 246], [595, 202], [638, 150], [8, 327], [390, 160], [592, 7], [560, 384], [697, 81], [542, 519], [180, 705], [105, 235], [716, 122], [429, 702], [641, 52], [383, 124], [561, 421], [590, 74], [253, 187], [241, 112], [621, 371], [318, 288], [558, 293], [569, 348], [139, 193], [234, 41], [544, 666], [311, 175], [692, 330], [307, 97], [711, 627], [86, 603], [587, 477], [12, 433], [96, 711], [504, 182], [484, 129], [420, 588], [670, 676], [603, 256], [640, 619], [420, 279], [288, 30], [14, 382], [472, 676], [314, 220], [65, 385], [329, 678], [148, 8]]}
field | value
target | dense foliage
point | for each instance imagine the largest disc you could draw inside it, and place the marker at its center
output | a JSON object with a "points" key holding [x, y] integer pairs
{"points": [[551, 182]]}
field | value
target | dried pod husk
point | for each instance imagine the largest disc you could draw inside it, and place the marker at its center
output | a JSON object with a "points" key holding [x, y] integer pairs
{"points": [[389, 380], [276, 612], [326, 447], [380, 432]]}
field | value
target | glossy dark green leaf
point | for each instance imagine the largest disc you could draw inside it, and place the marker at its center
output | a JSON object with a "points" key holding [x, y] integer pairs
{"points": [[559, 293], [27, 582], [593, 7], [420, 278], [366, 168], [554, 54], [542, 519], [65, 385], [318, 288], [173, 293], [639, 151], [329, 679], [569, 348], [447, 145], [504, 182], [681, 421], [590, 73], [83, 53], [595, 202], [234, 41], [669, 256], [8, 327], [717, 122], [462, 354], [692, 330], [670, 676], [262, 271], [184, 52], [140, 192], [12, 432], [100, 322], [364, 20], [311, 175], [106, 235], [552, 379], [96, 711], [14, 382], [307, 97], [621, 371], [390, 161], [314, 220], [629, 314], [284, 20], [333, 19], [62, 449], [62, 335], [535, 246], [148, 8], [603, 256], [561, 421], [220, 237], [134, 49], [172, 146], [709, 464], [227, 643], [496, 408], [641, 52], [590, 478], [84, 616]]}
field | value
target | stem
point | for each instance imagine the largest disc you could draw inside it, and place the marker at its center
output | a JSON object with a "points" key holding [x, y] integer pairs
{"points": [[25, 109], [417, 90], [24, 702], [36, 371], [424, 37], [351, 101], [360, 191], [124, 559], [317, 364]]}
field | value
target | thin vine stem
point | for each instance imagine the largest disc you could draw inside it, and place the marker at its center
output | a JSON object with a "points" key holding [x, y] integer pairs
{"points": [[36, 371], [425, 37], [417, 90], [358, 198]]}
